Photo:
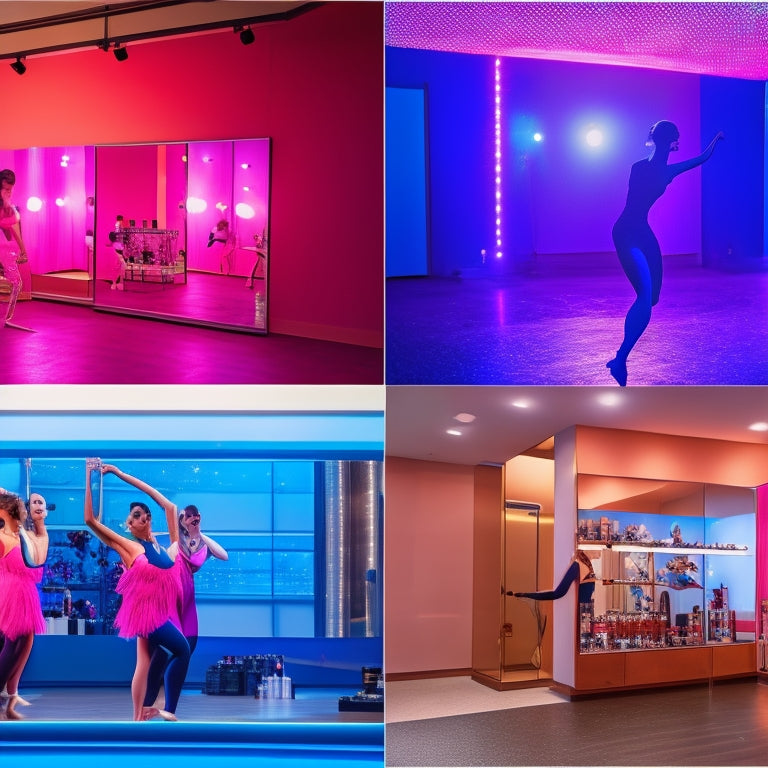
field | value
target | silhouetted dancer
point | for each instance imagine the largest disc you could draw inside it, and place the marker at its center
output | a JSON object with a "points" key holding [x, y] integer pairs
{"points": [[636, 245]]}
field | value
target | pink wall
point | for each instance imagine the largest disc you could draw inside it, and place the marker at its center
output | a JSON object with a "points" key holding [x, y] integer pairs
{"points": [[428, 566], [313, 84]]}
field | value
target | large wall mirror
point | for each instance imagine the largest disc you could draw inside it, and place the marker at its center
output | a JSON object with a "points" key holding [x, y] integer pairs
{"points": [[175, 230]]}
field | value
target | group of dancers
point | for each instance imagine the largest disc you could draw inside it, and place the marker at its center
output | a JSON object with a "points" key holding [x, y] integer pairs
{"points": [[156, 586]]}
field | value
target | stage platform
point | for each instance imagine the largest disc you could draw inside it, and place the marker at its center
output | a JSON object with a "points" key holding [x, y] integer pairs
{"points": [[90, 727]]}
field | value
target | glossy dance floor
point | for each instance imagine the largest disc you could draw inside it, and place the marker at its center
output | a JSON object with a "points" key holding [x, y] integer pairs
{"points": [[561, 323], [77, 345]]}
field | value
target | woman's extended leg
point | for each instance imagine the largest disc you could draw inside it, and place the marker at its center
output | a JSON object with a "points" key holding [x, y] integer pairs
{"points": [[15, 653], [13, 276], [169, 637], [637, 269], [571, 575], [139, 681]]}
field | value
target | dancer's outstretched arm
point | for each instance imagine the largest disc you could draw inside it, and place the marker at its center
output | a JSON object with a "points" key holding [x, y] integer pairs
{"points": [[215, 548], [694, 162], [170, 509], [127, 550]]}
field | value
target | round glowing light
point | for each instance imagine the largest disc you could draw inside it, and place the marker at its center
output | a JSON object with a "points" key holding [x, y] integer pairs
{"points": [[183, 158], [453, 432], [34, 204], [244, 211], [196, 205], [538, 136], [594, 137], [207, 159], [465, 418], [520, 403], [246, 189], [61, 202], [759, 426], [64, 164], [609, 399], [499, 254], [221, 207], [245, 165]]}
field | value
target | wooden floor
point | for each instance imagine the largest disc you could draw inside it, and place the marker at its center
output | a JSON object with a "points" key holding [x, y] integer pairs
{"points": [[721, 725], [311, 705]]}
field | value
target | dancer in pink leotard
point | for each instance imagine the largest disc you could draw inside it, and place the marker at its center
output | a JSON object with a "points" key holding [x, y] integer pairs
{"points": [[12, 249], [20, 614], [193, 548], [151, 590]]}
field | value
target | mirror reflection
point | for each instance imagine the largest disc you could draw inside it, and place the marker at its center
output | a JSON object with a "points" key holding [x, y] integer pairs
{"points": [[182, 231], [54, 195]]}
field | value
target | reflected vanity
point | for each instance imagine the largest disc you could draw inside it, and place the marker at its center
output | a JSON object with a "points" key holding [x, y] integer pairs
{"points": [[175, 230]]}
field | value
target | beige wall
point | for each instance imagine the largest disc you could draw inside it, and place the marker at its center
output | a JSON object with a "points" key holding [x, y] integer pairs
{"points": [[427, 566]]}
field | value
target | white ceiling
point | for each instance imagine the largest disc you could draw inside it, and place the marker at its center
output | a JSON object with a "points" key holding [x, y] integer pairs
{"points": [[417, 417], [138, 22]]}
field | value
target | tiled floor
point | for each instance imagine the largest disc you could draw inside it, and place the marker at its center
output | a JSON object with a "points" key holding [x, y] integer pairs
{"points": [[446, 696]]}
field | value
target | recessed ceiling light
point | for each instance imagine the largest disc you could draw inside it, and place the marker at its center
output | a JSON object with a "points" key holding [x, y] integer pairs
{"points": [[465, 418], [609, 399], [453, 431], [520, 403], [759, 426]]}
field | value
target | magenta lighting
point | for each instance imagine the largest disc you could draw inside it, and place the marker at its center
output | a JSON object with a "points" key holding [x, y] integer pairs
{"points": [[497, 151], [724, 39]]}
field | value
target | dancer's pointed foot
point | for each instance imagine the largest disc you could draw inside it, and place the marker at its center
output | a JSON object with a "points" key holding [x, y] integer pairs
{"points": [[167, 715], [618, 369], [147, 713], [10, 710], [21, 702]]}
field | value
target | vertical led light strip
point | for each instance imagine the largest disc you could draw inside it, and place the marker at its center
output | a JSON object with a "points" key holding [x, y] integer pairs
{"points": [[497, 153]]}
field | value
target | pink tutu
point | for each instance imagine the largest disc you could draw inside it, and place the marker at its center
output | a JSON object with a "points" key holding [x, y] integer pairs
{"points": [[151, 596], [20, 611]]}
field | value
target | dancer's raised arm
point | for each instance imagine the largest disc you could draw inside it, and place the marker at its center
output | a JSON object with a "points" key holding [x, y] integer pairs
{"points": [[127, 549], [676, 169], [170, 509]]}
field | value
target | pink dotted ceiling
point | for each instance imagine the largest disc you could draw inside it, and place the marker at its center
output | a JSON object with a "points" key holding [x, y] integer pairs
{"points": [[726, 39]]}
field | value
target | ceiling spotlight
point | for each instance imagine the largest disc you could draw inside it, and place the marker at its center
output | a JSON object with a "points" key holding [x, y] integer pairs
{"points": [[18, 66], [247, 36], [121, 54]]}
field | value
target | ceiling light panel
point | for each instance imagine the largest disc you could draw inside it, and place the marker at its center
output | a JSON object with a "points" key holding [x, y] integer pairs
{"points": [[726, 39]]}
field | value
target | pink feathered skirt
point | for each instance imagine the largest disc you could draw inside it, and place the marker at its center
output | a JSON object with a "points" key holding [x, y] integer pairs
{"points": [[20, 611], [151, 596]]}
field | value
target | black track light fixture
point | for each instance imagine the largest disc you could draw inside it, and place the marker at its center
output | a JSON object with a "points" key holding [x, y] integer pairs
{"points": [[121, 54], [18, 66], [247, 36]]}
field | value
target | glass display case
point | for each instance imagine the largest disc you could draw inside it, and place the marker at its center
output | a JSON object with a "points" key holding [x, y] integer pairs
{"points": [[673, 562]]}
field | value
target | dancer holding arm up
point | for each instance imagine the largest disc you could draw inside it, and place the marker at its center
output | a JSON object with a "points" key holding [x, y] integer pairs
{"points": [[151, 589], [636, 245]]}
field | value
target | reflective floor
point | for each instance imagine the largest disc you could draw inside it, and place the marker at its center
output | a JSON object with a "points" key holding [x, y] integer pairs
{"points": [[562, 321]]}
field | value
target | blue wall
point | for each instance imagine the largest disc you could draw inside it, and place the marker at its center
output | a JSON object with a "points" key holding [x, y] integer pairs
{"points": [[559, 197], [733, 190]]}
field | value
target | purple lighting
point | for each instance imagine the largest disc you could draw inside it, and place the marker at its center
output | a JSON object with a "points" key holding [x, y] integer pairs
{"points": [[725, 39]]}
